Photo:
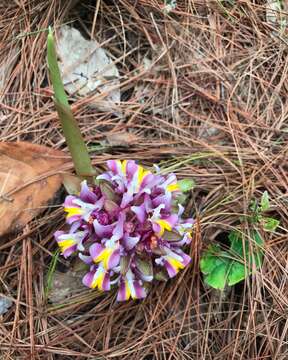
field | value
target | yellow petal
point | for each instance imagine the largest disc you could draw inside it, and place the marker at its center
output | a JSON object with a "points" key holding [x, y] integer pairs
{"points": [[127, 291], [65, 244], [176, 264], [123, 166], [141, 174], [173, 187], [98, 280], [71, 211], [104, 256], [164, 225]]}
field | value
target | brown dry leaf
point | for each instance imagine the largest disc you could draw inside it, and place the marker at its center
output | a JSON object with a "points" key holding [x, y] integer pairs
{"points": [[121, 138], [89, 70], [28, 179]]}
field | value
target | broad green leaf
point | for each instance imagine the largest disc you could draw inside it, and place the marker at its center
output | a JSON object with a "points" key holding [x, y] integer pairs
{"points": [[265, 204], [237, 273], [270, 224], [218, 277], [222, 268], [209, 259], [186, 185], [236, 247], [72, 133]]}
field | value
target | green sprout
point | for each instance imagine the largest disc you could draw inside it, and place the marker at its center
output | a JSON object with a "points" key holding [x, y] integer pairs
{"points": [[72, 133], [51, 271], [268, 223]]}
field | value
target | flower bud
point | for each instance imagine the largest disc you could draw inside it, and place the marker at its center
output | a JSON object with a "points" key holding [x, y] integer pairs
{"points": [[172, 236], [186, 185], [145, 269], [110, 206], [124, 264], [161, 276], [107, 190]]}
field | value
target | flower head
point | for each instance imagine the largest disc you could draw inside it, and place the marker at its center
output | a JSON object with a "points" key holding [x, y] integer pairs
{"points": [[128, 228]]}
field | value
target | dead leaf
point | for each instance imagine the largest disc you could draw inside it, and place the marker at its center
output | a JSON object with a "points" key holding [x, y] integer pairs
{"points": [[28, 180], [122, 138], [87, 69], [65, 285]]}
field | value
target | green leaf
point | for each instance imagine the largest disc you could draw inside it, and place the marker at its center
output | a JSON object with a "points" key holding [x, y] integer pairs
{"points": [[270, 224], [238, 272], [255, 258], [186, 185], [257, 238], [221, 268], [72, 133], [209, 261], [265, 204], [218, 277], [236, 248], [254, 205]]}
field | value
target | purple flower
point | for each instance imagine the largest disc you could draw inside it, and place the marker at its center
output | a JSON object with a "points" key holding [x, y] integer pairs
{"points": [[128, 227]]}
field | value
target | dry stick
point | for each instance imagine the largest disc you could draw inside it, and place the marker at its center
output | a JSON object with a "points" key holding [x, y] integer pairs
{"points": [[95, 18], [30, 293], [17, 310]]}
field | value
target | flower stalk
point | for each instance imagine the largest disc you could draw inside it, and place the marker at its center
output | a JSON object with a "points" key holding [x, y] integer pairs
{"points": [[72, 133]]}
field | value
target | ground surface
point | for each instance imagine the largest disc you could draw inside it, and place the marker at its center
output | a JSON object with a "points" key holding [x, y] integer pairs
{"points": [[213, 106]]}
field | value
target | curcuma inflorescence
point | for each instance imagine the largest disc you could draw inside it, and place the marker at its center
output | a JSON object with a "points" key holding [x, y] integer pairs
{"points": [[128, 228]]}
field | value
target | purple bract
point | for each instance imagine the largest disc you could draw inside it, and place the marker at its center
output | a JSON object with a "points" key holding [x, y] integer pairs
{"points": [[128, 228]]}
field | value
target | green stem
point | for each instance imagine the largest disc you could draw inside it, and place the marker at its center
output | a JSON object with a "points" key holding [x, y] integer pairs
{"points": [[72, 133]]}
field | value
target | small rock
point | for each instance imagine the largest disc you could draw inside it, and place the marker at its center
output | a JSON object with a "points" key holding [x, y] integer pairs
{"points": [[5, 304]]}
